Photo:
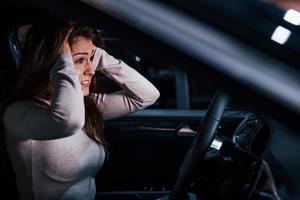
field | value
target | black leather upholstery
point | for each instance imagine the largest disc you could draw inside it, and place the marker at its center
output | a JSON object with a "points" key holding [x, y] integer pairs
{"points": [[11, 55], [15, 48], [11, 52]]}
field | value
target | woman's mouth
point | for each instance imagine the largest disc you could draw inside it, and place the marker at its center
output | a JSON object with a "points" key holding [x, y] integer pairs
{"points": [[85, 83]]}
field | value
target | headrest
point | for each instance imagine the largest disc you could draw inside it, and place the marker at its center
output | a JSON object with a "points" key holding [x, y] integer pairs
{"points": [[15, 47]]}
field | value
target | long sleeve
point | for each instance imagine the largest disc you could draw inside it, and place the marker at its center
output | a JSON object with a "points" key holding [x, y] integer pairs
{"points": [[65, 114], [137, 93]]}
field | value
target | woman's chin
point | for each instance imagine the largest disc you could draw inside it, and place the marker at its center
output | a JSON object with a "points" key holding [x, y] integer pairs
{"points": [[86, 92]]}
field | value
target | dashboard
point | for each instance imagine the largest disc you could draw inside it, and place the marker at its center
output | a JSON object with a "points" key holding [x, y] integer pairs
{"points": [[251, 135]]}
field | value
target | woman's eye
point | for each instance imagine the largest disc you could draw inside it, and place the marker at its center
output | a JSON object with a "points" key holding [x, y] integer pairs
{"points": [[79, 61]]}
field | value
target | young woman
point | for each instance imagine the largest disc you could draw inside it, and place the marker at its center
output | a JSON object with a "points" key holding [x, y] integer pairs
{"points": [[53, 123]]}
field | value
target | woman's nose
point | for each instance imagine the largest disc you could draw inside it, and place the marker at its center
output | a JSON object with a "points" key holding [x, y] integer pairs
{"points": [[89, 69]]}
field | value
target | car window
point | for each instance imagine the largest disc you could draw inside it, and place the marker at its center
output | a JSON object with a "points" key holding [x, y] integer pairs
{"points": [[178, 89]]}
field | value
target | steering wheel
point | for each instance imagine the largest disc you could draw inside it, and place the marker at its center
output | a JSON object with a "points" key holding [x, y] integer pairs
{"points": [[199, 147]]}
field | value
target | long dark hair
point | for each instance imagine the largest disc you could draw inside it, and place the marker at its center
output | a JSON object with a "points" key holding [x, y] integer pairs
{"points": [[40, 50]]}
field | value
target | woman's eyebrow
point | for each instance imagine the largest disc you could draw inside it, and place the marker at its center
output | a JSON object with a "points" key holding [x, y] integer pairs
{"points": [[80, 53], [85, 53]]}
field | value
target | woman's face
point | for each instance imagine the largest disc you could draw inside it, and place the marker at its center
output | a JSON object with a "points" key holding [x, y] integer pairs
{"points": [[83, 51]]}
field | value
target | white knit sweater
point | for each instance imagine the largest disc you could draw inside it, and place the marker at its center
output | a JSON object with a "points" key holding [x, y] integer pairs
{"points": [[52, 157]]}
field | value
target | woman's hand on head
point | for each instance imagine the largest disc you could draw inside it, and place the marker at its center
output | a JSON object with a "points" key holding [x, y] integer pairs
{"points": [[65, 46]]}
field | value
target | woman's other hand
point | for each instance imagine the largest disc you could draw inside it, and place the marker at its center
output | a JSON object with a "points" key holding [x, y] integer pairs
{"points": [[65, 46]]}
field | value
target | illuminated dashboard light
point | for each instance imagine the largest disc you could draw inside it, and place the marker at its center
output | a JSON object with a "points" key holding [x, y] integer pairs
{"points": [[216, 144]]}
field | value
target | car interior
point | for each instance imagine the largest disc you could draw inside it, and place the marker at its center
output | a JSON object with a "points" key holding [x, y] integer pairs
{"points": [[215, 133]]}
